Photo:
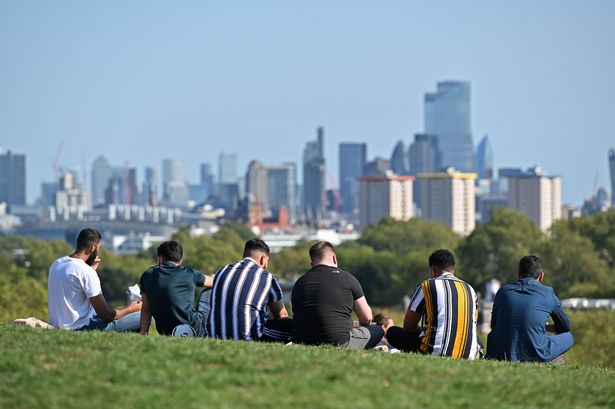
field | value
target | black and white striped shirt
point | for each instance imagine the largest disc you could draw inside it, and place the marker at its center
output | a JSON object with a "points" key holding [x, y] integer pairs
{"points": [[240, 295]]}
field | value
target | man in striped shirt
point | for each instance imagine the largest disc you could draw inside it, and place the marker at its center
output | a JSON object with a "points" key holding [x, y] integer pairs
{"points": [[241, 294], [448, 309]]}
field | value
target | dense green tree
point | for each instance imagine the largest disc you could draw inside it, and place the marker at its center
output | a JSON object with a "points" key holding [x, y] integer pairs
{"points": [[600, 229], [573, 267], [402, 237], [493, 249]]}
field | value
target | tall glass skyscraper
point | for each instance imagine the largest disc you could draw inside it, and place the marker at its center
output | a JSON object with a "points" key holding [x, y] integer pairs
{"points": [[353, 157], [282, 188], [399, 159], [12, 178], [447, 115], [314, 178], [102, 172], [484, 159]]}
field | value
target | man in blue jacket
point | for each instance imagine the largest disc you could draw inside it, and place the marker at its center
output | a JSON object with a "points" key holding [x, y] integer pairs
{"points": [[519, 329]]}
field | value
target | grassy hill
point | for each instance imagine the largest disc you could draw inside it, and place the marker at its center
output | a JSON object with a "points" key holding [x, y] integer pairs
{"points": [[57, 369]]}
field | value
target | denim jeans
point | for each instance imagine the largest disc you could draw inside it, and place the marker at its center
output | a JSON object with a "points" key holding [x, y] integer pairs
{"points": [[203, 308], [128, 323]]}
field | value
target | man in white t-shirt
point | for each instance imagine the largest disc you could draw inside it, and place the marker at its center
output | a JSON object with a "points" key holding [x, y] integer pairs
{"points": [[76, 301]]}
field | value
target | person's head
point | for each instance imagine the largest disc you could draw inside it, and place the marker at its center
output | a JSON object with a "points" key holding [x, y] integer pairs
{"points": [[258, 251], [441, 261], [383, 320], [323, 252], [530, 266], [88, 243], [170, 251]]}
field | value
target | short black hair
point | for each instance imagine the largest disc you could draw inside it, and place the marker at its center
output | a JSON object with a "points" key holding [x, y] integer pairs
{"points": [[530, 266], [255, 245], [171, 250], [443, 259], [87, 237], [319, 249]]}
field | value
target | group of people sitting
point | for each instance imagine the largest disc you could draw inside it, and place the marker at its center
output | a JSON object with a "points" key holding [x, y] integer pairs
{"points": [[243, 301]]}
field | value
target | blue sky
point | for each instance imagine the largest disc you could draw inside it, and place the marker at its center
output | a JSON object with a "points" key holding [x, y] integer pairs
{"points": [[144, 80]]}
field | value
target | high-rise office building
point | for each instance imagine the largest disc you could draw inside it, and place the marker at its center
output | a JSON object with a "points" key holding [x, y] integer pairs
{"points": [[385, 196], [12, 178], [150, 187], [282, 188], [352, 159], [207, 179], [102, 171], [447, 115], [424, 157], [484, 159], [122, 187], [72, 201], [175, 189], [377, 167], [449, 197], [536, 195], [256, 186], [399, 159], [227, 168], [612, 171], [314, 179]]}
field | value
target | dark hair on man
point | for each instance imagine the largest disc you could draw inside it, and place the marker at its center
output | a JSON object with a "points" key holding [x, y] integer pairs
{"points": [[87, 237], [255, 245], [381, 318], [530, 266], [319, 249], [442, 259], [171, 250]]}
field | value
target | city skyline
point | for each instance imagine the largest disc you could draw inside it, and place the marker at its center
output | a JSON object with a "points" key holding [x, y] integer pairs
{"points": [[139, 84]]}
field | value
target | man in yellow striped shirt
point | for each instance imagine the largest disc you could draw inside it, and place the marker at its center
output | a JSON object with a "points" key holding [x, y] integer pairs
{"points": [[447, 307]]}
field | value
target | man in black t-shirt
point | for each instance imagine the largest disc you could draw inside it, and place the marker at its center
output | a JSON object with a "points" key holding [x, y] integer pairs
{"points": [[168, 290], [323, 300]]}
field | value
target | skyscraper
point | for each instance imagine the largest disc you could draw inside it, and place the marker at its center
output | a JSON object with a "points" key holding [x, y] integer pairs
{"points": [[150, 187], [484, 159], [449, 197], [282, 188], [175, 190], [612, 171], [102, 171], [207, 179], [256, 186], [447, 115], [377, 167], [385, 196], [536, 195], [12, 178], [314, 179], [122, 187], [352, 159], [424, 156], [399, 159], [227, 168]]}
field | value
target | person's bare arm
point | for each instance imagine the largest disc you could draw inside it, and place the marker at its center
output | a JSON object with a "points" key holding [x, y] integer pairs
{"points": [[209, 282], [278, 309], [363, 311], [109, 314], [146, 315], [411, 321]]}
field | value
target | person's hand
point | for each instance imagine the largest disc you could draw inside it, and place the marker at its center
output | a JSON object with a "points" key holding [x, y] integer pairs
{"points": [[96, 263], [135, 306]]}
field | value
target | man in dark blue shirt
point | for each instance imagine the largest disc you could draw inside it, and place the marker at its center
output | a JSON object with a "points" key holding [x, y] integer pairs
{"points": [[520, 313]]}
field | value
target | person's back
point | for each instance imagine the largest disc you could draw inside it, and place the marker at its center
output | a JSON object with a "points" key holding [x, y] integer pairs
{"points": [[170, 290], [447, 307], [70, 286], [241, 295], [450, 317], [520, 313], [322, 301]]}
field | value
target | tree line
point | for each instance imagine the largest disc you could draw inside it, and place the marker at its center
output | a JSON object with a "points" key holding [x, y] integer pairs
{"points": [[389, 259]]}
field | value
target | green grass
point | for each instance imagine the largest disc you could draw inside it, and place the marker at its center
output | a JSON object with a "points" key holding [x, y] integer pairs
{"points": [[58, 369]]}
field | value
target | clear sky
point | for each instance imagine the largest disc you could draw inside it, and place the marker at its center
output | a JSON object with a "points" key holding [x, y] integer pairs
{"points": [[140, 81]]}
